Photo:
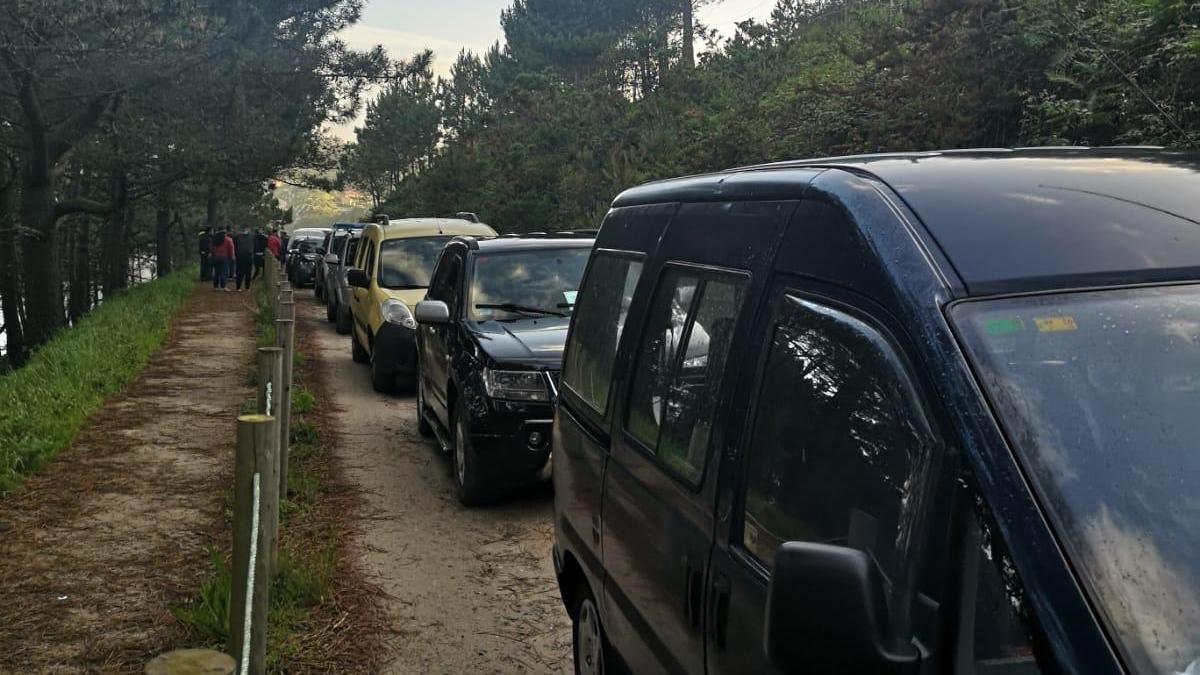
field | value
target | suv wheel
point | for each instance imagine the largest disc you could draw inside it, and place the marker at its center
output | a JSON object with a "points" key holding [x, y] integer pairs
{"points": [[343, 320], [317, 290], [588, 635], [423, 426], [357, 353], [466, 474], [381, 381], [331, 311]]}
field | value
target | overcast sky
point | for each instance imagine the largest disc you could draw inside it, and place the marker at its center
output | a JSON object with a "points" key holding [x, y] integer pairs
{"points": [[405, 27]]}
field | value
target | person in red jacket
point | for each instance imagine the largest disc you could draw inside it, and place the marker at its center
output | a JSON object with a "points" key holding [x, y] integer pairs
{"points": [[222, 256], [273, 243]]}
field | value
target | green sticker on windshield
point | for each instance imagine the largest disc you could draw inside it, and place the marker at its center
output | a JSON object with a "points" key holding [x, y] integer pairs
{"points": [[1004, 326]]}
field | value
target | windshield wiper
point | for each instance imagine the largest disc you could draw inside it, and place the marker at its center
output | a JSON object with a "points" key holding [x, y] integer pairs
{"points": [[405, 287], [520, 309]]}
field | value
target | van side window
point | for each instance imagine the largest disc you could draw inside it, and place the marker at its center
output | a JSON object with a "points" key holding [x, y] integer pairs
{"points": [[840, 450], [679, 366], [992, 638], [600, 310], [369, 264]]}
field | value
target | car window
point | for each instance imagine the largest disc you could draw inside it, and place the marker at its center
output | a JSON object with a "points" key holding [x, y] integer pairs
{"points": [[351, 251], [993, 639], [511, 285], [338, 244], [840, 449], [443, 287], [408, 263], [369, 260], [601, 307], [680, 363]]}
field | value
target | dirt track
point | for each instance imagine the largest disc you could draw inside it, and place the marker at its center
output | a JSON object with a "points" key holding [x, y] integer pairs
{"points": [[102, 541], [469, 590]]}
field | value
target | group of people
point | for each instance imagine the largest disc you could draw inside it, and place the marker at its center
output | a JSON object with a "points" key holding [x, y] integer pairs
{"points": [[224, 252]]}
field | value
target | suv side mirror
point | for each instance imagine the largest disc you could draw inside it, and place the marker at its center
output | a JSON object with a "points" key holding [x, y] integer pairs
{"points": [[331, 259], [826, 613], [432, 311], [357, 278]]}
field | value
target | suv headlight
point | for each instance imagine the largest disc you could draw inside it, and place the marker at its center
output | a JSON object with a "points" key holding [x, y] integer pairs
{"points": [[515, 385], [397, 312]]}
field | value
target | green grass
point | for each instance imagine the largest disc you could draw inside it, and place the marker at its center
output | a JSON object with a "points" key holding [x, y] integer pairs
{"points": [[47, 402]]}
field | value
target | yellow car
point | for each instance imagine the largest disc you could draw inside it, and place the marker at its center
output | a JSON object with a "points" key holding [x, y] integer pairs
{"points": [[391, 273]]}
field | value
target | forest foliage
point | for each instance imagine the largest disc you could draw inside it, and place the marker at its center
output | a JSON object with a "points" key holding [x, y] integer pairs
{"points": [[588, 97]]}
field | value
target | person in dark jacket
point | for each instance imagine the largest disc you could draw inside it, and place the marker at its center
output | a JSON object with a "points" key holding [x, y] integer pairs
{"points": [[205, 244], [244, 246], [222, 254], [260, 252]]}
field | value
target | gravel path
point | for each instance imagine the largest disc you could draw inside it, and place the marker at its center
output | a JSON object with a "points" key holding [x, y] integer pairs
{"points": [[469, 590]]}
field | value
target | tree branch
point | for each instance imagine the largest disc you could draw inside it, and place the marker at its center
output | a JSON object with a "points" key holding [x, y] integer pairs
{"points": [[82, 205]]}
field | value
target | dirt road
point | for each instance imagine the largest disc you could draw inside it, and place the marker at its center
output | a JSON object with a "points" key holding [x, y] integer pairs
{"points": [[470, 590], [97, 546]]}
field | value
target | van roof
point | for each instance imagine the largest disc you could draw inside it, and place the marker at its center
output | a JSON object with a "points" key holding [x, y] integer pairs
{"points": [[431, 227], [1012, 220]]}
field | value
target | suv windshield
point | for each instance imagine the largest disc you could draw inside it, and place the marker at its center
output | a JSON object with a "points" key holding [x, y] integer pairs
{"points": [[509, 285], [1099, 392], [408, 263]]}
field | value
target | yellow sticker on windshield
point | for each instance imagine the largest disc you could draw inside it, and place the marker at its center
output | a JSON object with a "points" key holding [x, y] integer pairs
{"points": [[1056, 324]]}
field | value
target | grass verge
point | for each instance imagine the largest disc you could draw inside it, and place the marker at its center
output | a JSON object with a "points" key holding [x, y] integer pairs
{"points": [[47, 402]]}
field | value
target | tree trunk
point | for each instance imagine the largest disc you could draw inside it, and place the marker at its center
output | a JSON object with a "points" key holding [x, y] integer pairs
{"points": [[10, 299], [211, 205], [116, 245], [80, 296], [689, 35], [162, 240], [39, 259]]}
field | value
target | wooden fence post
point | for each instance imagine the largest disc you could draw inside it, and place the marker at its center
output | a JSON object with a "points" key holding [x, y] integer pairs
{"points": [[254, 486], [285, 331], [270, 402]]}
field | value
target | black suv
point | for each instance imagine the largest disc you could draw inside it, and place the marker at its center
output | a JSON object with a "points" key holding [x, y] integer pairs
{"points": [[489, 351], [921, 413]]}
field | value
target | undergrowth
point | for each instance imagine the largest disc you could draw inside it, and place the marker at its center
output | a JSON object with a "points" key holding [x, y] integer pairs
{"points": [[308, 555], [44, 404]]}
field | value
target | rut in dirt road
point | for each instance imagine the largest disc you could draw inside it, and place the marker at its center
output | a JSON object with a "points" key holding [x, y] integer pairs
{"points": [[469, 590]]}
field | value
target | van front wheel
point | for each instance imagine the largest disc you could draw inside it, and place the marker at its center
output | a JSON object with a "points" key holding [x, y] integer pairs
{"points": [[588, 636]]}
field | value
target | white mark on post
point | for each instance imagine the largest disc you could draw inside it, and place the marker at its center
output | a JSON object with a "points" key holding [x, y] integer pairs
{"points": [[269, 383], [250, 577]]}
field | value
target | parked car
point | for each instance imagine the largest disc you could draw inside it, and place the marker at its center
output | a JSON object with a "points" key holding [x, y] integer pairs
{"points": [[910, 413], [390, 275], [305, 248], [489, 352], [335, 241], [337, 298]]}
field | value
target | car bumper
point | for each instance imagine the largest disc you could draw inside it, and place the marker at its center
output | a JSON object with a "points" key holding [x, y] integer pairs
{"points": [[512, 445], [395, 352], [303, 274]]}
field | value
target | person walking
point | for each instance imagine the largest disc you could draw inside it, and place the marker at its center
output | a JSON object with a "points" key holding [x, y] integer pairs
{"points": [[221, 253], [260, 252], [205, 244], [244, 247], [274, 245]]}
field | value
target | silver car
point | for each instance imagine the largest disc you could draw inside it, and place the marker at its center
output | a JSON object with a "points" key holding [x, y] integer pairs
{"points": [[337, 290]]}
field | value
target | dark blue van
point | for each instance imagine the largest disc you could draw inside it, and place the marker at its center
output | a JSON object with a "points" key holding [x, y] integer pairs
{"points": [[916, 413]]}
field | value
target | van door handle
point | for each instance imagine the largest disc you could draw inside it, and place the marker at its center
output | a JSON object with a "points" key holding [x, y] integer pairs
{"points": [[718, 609], [693, 585]]}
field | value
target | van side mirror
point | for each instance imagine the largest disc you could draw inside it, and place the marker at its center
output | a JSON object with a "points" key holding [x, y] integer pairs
{"points": [[826, 613], [357, 278], [432, 311]]}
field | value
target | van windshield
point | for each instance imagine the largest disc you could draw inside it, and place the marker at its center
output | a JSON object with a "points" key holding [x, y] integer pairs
{"points": [[408, 263], [1099, 393]]}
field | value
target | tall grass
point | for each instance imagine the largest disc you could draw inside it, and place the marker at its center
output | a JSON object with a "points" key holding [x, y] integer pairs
{"points": [[44, 404]]}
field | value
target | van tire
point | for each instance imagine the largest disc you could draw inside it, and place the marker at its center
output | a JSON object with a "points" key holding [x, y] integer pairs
{"points": [[589, 645], [381, 381], [462, 461], [317, 290], [331, 312], [357, 353], [343, 321]]}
